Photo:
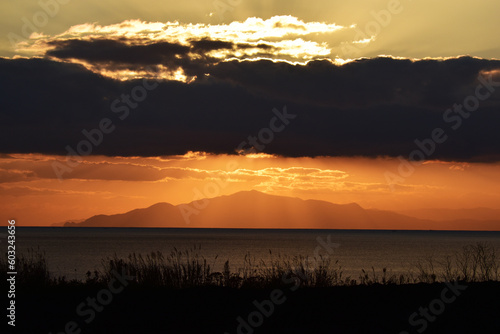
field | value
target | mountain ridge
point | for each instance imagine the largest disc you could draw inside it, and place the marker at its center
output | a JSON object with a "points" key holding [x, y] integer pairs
{"points": [[253, 209]]}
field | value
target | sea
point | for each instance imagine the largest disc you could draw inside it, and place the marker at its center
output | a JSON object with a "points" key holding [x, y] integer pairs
{"points": [[71, 252]]}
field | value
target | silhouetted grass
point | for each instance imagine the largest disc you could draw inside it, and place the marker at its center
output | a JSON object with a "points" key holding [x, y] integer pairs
{"points": [[474, 263], [31, 268], [179, 269], [185, 269]]}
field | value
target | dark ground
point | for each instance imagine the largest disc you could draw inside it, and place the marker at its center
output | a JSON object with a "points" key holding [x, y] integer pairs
{"points": [[355, 309]]}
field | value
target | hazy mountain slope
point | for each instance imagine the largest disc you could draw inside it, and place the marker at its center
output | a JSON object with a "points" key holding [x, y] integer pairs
{"points": [[158, 215], [253, 209]]}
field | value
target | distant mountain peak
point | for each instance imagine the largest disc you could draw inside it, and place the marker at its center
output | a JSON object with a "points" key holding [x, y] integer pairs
{"points": [[255, 209]]}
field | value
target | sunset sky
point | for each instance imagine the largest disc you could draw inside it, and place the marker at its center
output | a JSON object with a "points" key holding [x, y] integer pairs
{"points": [[108, 106]]}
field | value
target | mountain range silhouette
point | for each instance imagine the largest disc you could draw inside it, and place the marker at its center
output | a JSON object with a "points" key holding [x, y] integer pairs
{"points": [[253, 209]]}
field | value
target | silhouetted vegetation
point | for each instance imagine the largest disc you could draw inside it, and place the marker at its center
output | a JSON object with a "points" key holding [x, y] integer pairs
{"points": [[186, 269], [31, 268], [181, 293]]}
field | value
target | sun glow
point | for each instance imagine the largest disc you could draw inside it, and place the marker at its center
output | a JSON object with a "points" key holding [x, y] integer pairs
{"points": [[118, 184], [254, 38]]}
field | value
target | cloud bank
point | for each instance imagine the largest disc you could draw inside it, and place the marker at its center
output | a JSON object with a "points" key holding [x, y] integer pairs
{"points": [[370, 107], [147, 89]]}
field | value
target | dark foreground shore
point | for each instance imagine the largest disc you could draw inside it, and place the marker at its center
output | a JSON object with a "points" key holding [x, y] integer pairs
{"points": [[412, 308]]}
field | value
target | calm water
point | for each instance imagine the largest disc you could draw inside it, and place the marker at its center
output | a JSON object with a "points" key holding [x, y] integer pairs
{"points": [[74, 251]]}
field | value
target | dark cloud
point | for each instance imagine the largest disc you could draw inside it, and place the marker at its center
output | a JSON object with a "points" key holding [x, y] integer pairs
{"points": [[106, 50], [362, 83], [210, 45], [112, 55], [371, 107]]}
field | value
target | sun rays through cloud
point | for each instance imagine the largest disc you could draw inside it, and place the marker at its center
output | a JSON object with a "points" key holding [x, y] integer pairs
{"points": [[178, 51]]}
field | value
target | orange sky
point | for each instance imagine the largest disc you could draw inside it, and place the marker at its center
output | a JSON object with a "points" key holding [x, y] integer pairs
{"points": [[365, 78], [31, 193]]}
